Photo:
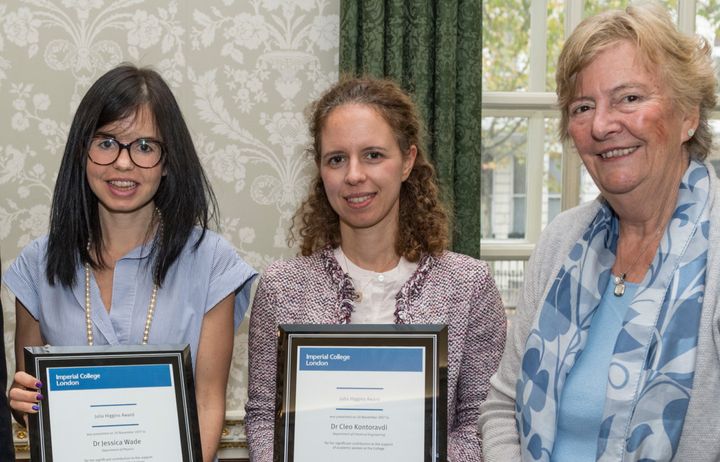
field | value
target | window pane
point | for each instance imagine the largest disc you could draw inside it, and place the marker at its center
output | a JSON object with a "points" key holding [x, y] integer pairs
{"points": [[708, 25], [519, 176], [552, 179], [506, 25], [555, 39], [596, 6], [593, 7], [502, 194], [588, 189], [517, 226], [508, 275]]}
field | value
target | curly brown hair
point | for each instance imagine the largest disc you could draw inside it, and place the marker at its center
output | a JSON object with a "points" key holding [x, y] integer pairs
{"points": [[423, 220]]}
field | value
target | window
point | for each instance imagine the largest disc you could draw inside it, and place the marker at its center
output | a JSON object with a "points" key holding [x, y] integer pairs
{"points": [[528, 176], [517, 177]]}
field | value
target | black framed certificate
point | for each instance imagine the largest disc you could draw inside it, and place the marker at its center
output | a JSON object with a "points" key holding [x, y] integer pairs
{"points": [[114, 403], [365, 393]]}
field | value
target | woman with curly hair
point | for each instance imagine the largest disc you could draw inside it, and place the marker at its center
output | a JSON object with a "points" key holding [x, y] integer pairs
{"points": [[373, 238]]}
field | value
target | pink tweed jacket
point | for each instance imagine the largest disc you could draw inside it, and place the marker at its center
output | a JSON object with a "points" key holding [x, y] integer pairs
{"points": [[452, 289]]}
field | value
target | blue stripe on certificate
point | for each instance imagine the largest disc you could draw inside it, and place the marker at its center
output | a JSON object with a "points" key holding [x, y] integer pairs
{"points": [[378, 359], [115, 425], [359, 388], [104, 377], [114, 405], [358, 409]]}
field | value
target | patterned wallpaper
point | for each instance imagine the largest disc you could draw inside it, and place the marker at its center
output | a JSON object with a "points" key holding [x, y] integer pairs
{"points": [[242, 70]]}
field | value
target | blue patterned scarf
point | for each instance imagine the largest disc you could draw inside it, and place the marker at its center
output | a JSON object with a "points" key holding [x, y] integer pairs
{"points": [[651, 371]]}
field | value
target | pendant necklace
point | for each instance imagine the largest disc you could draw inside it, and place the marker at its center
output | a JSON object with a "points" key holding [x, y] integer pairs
{"points": [[151, 305], [380, 277], [358, 289], [619, 280]]}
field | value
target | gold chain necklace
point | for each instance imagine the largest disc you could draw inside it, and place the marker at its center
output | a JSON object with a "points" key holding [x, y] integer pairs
{"points": [[151, 305], [619, 281]]}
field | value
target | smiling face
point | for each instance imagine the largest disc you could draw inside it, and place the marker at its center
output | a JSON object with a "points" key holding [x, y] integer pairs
{"points": [[362, 169], [625, 127], [123, 187]]}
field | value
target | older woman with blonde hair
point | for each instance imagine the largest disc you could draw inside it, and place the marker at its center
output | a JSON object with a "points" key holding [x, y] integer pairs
{"points": [[613, 353], [373, 238]]}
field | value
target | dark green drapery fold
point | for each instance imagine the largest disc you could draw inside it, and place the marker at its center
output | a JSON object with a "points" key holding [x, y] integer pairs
{"points": [[432, 49]]}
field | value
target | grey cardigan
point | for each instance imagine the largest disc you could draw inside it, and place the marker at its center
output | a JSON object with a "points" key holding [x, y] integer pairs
{"points": [[700, 440]]}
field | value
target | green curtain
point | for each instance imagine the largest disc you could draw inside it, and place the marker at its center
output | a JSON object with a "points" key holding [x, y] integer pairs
{"points": [[432, 48]]}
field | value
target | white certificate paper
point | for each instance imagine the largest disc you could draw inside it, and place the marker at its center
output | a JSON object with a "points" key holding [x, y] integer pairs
{"points": [[355, 404], [114, 413]]}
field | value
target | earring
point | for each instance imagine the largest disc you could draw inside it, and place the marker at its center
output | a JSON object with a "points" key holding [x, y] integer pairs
{"points": [[691, 132]]}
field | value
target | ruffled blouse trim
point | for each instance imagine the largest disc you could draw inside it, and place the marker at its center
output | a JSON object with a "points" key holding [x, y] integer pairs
{"points": [[347, 295]]}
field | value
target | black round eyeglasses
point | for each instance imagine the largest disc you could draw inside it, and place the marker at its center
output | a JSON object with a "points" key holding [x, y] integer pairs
{"points": [[144, 152]]}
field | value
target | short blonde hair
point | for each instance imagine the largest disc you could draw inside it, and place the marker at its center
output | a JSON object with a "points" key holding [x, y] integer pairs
{"points": [[684, 61]]}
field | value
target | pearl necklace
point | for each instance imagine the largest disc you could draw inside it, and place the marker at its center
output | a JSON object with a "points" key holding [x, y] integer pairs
{"points": [[88, 310], [151, 305]]}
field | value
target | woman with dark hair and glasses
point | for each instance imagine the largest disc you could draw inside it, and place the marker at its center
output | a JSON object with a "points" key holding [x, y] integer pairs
{"points": [[129, 258]]}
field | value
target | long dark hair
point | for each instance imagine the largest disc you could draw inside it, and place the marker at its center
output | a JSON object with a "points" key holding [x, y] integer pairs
{"points": [[184, 197]]}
